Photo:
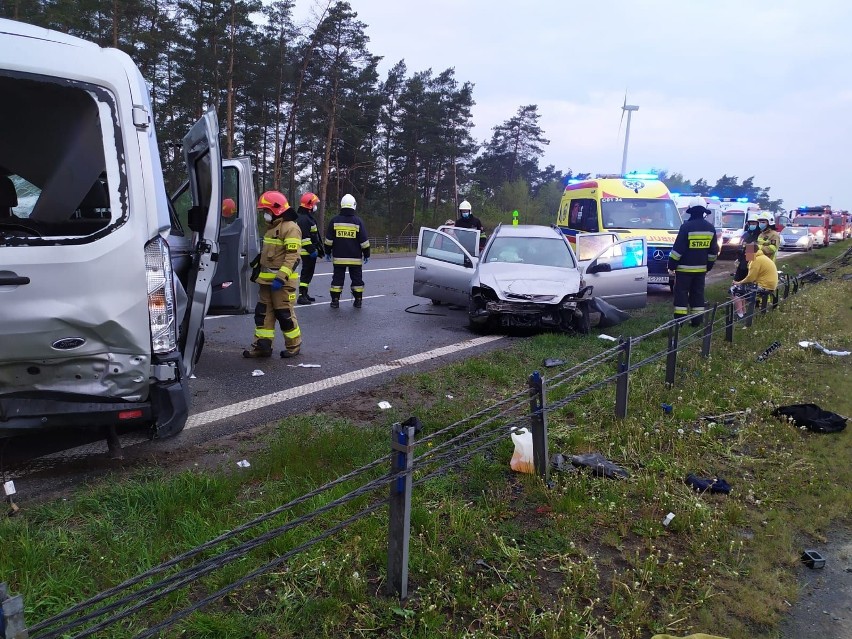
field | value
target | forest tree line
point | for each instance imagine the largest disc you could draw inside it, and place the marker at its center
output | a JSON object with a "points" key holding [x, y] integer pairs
{"points": [[308, 105]]}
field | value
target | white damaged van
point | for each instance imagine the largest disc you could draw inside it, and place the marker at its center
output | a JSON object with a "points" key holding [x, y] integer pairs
{"points": [[104, 284]]}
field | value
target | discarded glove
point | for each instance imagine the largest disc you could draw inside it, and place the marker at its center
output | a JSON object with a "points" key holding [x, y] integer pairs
{"points": [[553, 362], [600, 465], [702, 485]]}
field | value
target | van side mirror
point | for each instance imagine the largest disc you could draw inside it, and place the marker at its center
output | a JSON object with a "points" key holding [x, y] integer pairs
{"points": [[599, 267]]}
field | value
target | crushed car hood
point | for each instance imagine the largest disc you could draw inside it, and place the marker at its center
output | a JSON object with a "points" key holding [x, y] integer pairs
{"points": [[528, 282]]}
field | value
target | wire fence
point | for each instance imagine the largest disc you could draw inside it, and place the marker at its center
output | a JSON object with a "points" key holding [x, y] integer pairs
{"points": [[393, 243], [448, 448]]}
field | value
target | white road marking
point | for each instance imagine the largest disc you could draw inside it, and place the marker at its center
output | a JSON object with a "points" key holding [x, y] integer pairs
{"points": [[375, 270], [256, 403], [302, 307]]}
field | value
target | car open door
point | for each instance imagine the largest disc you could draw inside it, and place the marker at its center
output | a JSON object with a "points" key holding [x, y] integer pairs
{"points": [[618, 271], [468, 238], [204, 163], [233, 291], [443, 268]]}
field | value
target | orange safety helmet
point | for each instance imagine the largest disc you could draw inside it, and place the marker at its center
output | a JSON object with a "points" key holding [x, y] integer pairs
{"points": [[273, 201], [229, 207], [309, 200]]}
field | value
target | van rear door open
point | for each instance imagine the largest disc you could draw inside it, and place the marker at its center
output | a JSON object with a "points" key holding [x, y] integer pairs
{"points": [[204, 163]]}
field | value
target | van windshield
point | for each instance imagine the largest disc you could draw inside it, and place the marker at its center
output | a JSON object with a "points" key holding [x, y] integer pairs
{"points": [[635, 213], [733, 220], [56, 186]]}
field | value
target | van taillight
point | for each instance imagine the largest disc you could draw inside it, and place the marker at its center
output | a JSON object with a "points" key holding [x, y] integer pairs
{"points": [[161, 296], [130, 414]]}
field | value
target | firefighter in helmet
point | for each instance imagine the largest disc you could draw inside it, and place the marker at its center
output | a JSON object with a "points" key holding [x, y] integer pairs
{"points": [[768, 237], [466, 219], [692, 256], [278, 279], [311, 244], [347, 246]]}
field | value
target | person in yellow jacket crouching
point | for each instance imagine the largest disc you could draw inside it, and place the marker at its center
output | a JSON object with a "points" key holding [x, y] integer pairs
{"points": [[278, 279]]}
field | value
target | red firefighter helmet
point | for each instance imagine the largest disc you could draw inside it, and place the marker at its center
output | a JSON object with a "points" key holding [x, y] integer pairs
{"points": [[273, 201], [229, 207], [309, 200]]}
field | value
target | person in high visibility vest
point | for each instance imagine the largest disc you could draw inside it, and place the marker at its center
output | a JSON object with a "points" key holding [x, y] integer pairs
{"points": [[692, 257], [312, 246], [347, 246], [278, 279], [768, 237]]}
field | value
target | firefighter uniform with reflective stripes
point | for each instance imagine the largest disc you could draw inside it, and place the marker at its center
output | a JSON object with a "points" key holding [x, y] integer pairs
{"points": [[692, 256], [311, 243], [279, 259], [771, 240], [346, 241]]}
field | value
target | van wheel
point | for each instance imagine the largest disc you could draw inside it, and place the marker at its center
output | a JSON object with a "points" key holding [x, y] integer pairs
{"points": [[436, 302]]}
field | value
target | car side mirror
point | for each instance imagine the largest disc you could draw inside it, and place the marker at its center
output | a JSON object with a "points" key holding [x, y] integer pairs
{"points": [[468, 263], [599, 267]]}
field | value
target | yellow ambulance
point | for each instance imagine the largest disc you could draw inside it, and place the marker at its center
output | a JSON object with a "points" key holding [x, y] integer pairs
{"points": [[631, 205]]}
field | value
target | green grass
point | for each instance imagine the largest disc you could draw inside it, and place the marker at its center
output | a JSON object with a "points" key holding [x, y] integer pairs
{"points": [[495, 554]]}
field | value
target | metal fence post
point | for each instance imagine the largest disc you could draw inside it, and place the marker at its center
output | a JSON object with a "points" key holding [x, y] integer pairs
{"points": [[752, 299], [399, 509], [11, 615], [708, 331], [729, 322], [671, 359], [622, 384], [538, 426], [387, 244]]}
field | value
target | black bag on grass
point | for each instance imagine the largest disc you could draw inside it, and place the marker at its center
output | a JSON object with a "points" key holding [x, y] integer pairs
{"points": [[812, 417]]}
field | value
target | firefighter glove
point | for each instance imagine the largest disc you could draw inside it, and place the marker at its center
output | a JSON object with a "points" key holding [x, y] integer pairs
{"points": [[277, 284], [312, 255]]}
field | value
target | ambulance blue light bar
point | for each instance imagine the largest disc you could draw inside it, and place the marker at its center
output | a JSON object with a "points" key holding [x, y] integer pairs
{"points": [[642, 176]]}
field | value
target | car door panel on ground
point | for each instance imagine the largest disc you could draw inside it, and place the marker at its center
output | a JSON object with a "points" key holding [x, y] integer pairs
{"points": [[442, 268], [625, 284]]}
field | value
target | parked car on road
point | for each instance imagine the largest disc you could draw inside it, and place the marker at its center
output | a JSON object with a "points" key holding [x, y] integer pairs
{"points": [[529, 276], [796, 238]]}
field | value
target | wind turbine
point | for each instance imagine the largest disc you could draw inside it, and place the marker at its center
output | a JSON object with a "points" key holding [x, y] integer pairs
{"points": [[629, 108]]}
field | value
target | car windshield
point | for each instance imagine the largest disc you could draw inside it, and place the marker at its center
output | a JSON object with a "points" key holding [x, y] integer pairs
{"points": [[733, 220], [634, 213], [808, 221], [56, 185], [837, 220], [541, 251]]}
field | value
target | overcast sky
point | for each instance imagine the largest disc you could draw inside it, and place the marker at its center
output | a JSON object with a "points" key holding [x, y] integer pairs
{"points": [[743, 87]]}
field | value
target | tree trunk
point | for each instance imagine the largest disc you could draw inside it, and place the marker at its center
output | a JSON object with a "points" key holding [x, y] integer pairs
{"points": [[326, 163], [115, 12], [229, 148]]}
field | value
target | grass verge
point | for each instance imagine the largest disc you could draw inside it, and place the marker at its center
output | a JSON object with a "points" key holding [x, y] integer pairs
{"points": [[495, 554]]}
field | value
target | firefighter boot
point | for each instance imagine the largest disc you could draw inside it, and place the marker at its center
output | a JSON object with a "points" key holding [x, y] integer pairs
{"points": [[335, 300], [303, 299], [261, 348], [285, 354], [358, 299]]}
